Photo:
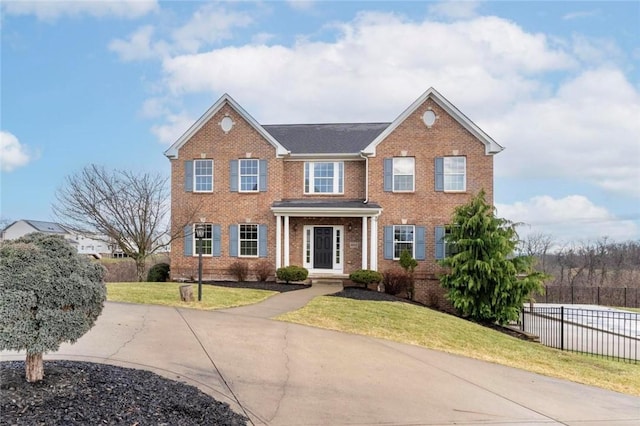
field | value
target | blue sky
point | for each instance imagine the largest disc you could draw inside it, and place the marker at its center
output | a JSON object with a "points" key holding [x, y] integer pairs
{"points": [[115, 83]]}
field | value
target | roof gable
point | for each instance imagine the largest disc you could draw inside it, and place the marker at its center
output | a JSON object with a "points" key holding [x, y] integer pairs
{"points": [[491, 146], [172, 152]]}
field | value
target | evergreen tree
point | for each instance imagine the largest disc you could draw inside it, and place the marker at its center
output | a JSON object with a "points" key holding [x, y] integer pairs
{"points": [[49, 294], [485, 280]]}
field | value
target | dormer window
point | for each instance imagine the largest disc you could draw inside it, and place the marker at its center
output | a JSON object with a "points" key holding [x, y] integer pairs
{"points": [[324, 177]]}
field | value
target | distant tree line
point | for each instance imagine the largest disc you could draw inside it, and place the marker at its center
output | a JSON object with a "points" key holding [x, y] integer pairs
{"points": [[600, 263]]}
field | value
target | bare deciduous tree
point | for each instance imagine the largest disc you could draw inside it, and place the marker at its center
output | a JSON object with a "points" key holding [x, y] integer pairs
{"points": [[127, 209]]}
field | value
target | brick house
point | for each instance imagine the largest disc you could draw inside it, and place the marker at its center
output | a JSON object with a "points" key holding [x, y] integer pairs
{"points": [[333, 198]]}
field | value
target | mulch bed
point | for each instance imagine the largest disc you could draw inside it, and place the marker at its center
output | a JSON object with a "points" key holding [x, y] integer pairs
{"points": [[84, 393], [260, 285]]}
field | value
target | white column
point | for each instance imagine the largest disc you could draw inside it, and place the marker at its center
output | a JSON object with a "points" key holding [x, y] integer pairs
{"points": [[286, 240], [365, 247], [278, 241], [374, 242]]}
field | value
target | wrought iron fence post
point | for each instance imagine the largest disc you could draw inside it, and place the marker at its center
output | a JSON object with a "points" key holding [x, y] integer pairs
{"points": [[562, 326], [524, 309]]}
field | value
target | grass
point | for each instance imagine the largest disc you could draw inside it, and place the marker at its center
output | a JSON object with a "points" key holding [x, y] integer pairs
{"points": [[407, 323], [168, 294]]}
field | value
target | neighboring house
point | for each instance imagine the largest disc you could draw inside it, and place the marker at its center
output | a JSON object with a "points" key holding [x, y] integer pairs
{"points": [[333, 198], [84, 244]]}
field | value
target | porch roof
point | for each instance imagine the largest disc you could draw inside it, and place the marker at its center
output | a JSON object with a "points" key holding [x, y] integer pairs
{"points": [[325, 208]]}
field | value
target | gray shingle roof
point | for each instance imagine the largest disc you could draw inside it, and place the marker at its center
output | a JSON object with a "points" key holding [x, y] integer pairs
{"points": [[325, 138], [48, 227]]}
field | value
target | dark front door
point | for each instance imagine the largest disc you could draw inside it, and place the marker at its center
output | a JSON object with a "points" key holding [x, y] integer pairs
{"points": [[323, 247]]}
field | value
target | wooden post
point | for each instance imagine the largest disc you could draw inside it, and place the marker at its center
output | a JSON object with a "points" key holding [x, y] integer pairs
{"points": [[186, 293]]}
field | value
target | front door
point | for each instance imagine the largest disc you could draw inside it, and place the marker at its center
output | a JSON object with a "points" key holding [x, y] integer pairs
{"points": [[323, 247]]}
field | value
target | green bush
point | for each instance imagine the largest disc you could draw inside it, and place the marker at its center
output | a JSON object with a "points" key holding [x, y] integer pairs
{"points": [[158, 273], [240, 270], [292, 273], [49, 294], [407, 261], [396, 281], [365, 276]]}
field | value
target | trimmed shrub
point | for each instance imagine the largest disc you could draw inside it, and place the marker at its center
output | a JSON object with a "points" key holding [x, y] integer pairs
{"points": [[49, 294], [407, 261], [240, 270], [365, 276], [159, 273], [264, 270], [292, 273], [396, 281]]}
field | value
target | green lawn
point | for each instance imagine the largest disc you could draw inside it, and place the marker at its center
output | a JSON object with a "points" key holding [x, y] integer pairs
{"points": [[168, 294], [407, 323]]}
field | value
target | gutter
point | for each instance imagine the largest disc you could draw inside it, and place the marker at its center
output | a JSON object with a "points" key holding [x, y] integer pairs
{"points": [[366, 177]]}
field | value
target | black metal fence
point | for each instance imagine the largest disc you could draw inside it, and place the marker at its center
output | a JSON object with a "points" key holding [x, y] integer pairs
{"points": [[606, 296], [608, 334]]}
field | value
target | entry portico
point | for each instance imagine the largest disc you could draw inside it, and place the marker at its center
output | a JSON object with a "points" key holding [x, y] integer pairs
{"points": [[326, 227]]}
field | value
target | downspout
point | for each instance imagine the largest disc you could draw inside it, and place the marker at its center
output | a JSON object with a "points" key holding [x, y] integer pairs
{"points": [[366, 177]]}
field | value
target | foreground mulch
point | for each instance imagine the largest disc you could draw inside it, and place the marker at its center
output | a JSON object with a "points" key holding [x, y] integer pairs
{"points": [[84, 393]]}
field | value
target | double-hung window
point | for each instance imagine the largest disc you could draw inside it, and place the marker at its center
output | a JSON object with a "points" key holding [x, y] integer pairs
{"points": [[324, 178], [455, 173], [248, 240], [249, 175], [206, 241], [203, 175], [403, 174], [403, 239]]}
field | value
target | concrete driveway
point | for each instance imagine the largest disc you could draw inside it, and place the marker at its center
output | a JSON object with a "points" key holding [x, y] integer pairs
{"points": [[284, 374]]}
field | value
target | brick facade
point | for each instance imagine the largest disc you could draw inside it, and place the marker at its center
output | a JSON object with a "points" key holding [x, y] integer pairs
{"points": [[410, 137]]}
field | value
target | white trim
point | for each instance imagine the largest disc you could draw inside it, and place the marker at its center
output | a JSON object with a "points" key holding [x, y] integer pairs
{"points": [[326, 212], [365, 247], [491, 146], [240, 225], [337, 177], [286, 240], [278, 241], [257, 175], [195, 160], [413, 243], [338, 267], [194, 242], [172, 152], [374, 243], [393, 175], [444, 173]]}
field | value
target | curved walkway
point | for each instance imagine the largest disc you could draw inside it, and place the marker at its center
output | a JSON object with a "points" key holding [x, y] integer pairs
{"points": [[278, 373]]}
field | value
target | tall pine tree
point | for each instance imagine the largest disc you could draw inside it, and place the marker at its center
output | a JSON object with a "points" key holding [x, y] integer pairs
{"points": [[485, 279]]}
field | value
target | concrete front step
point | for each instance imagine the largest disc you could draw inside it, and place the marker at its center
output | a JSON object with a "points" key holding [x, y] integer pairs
{"points": [[326, 281]]}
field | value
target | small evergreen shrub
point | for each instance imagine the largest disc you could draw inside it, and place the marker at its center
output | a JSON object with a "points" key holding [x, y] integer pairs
{"points": [[240, 270], [407, 261], [365, 277], [158, 273], [292, 273], [264, 270], [396, 281]]}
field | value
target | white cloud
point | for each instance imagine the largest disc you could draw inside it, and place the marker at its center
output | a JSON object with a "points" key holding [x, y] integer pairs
{"points": [[302, 4], [581, 14], [588, 131], [13, 154], [454, 9], [137, 47], [175, 126], [53, 9], [569, 219]]}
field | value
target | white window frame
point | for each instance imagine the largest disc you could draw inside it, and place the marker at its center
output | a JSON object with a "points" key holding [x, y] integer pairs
{"points": [[257, 175], [413, 174], [207, 247], [447, 164], [413, 242], [338, 177], [241, 240], [196, 175]]}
